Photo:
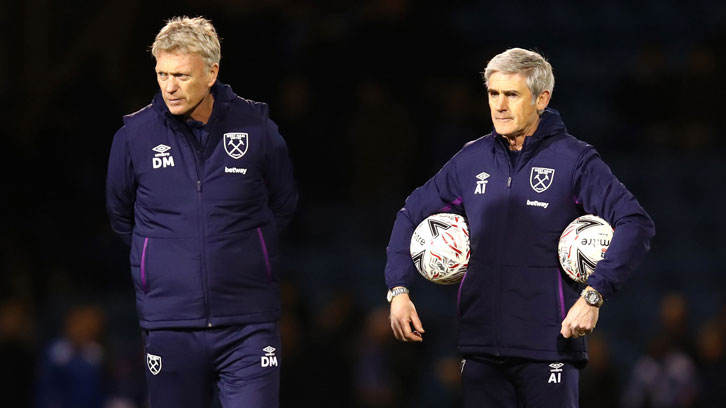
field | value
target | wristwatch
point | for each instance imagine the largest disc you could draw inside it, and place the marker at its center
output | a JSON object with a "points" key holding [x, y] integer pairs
{"points": [[395, 292], [592, 297]]}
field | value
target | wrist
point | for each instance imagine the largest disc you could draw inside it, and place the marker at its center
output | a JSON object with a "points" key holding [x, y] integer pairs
{"points": [[396, 291], [592, 297]]}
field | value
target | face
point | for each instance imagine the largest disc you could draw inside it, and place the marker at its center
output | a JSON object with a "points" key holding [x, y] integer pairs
{"points": [[184, 81], [510, 102]]}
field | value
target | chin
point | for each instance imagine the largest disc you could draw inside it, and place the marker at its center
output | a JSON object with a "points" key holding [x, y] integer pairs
{"points": [[177, 111]]}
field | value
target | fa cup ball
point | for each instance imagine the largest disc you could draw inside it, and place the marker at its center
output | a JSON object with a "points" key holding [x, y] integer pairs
{"points": [[582, 245], [440, 248]]}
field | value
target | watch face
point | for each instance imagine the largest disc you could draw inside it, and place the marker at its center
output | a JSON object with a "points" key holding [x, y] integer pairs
{"points": [[592, 298]]}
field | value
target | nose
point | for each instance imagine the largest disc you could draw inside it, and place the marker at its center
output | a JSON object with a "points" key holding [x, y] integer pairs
{"points": [[170, 85], [501, 103]]}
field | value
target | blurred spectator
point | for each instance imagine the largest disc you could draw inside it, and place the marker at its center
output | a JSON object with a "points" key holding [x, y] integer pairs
{"points": [[441, 384], [16, 354], [599, 387], [712, 365], [330, 354], [376, 383], [667, 375], [675, 325], [72, 371]]}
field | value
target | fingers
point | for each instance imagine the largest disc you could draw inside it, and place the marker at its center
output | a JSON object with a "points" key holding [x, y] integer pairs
{"points": [[402, 330], [402, 320], [574, 331]]}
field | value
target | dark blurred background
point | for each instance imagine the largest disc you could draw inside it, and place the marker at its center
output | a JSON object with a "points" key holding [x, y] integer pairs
{"points": [[372, 97]]}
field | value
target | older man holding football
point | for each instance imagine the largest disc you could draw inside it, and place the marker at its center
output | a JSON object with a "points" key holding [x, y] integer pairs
{"points": [[521, 322]]}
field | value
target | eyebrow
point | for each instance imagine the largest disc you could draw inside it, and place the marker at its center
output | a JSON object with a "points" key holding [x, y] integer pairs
{"points": [[505, 91], [158, 71]]}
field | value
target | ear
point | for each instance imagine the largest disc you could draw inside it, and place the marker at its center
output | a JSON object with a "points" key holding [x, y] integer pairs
{"points": [[543, 100], [213, 72]]}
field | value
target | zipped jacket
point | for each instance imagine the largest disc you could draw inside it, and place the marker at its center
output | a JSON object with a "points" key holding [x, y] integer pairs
{"points": [[202, 221], [514, 297]]}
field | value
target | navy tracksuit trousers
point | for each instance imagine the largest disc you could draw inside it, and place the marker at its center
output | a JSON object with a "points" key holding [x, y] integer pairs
{"points": [[243, 361], [518, 383]]}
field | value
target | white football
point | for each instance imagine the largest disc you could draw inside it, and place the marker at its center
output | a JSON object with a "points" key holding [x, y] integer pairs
{"points": [[440, 248], [582, 245]]}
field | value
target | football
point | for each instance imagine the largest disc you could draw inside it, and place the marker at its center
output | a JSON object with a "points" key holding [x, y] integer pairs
{"points": [[440, 248], [582, 245]]}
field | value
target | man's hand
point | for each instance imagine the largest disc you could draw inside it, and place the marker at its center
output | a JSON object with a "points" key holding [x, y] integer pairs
{"points": [[403, 316], [580, 320]]}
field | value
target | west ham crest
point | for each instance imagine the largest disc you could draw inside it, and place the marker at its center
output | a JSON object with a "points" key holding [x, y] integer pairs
{"points": [[541, 178], [154, 363], [235, 144]]}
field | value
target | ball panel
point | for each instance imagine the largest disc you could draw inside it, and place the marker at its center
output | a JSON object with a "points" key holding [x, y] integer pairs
{"points": [[440, 248], [582, 245]]}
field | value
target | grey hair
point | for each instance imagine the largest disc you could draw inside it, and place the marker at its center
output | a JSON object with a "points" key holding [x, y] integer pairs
{"points": [[189, 36], [530, 64]]}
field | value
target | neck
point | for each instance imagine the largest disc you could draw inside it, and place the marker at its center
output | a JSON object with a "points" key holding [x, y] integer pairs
{"points": [[203, 110], [516, 141]]}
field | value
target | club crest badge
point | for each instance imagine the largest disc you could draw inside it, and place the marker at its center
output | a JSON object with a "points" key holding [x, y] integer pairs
{"points": [[154, 363], [541, 178], [235, 144]]}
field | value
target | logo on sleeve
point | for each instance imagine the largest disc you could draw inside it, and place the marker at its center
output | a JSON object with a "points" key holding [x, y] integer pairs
{"points": [[481, 183], [541, 178], [162, 158], [154, 363], [235, 144]]}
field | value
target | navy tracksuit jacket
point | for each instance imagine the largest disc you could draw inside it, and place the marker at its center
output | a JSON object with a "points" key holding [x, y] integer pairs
{"points": [[202, 222], [514, 296]]}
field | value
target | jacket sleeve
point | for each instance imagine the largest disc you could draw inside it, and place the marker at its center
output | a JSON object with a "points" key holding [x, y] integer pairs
{"points": [[279, 178], [600, 193], [439, 194], [120, 188]]}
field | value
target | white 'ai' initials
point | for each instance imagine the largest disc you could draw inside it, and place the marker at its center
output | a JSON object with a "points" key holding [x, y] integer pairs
{"points": [[555, 373], [481, 183]]}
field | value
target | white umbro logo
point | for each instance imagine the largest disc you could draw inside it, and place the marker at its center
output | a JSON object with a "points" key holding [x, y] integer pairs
{"points": [[555, 373], [481, 183], [162, 158], [161, 148], [269, 359]]}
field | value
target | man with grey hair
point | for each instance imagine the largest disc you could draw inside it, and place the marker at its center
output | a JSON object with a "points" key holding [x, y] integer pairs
{"points": [[199, 184], [521, 323]]}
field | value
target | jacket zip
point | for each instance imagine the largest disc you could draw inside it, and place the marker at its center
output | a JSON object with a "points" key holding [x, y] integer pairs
{"points": [[203, 261], [498, 264], [198, 155]]}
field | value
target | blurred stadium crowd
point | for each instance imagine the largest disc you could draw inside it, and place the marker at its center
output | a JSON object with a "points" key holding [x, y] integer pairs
{"points": [[372, 96]]}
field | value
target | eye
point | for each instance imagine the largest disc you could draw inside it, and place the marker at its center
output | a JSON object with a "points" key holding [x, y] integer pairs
{"points": [[183, 77]]}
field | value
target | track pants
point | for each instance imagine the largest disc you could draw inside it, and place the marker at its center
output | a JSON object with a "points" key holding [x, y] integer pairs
{"points": [[517, 383], [182, 366]]}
